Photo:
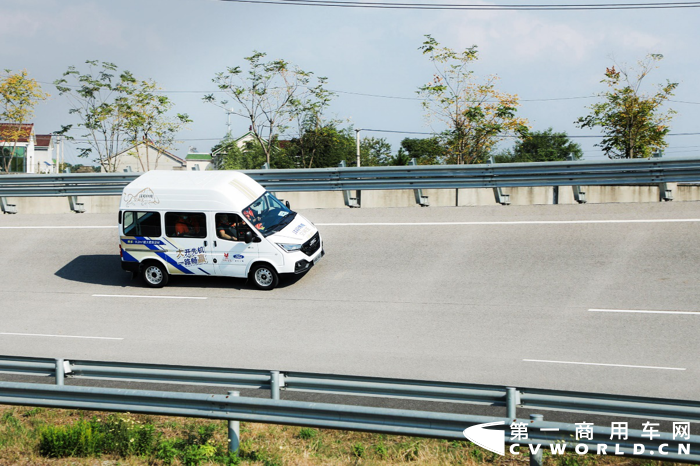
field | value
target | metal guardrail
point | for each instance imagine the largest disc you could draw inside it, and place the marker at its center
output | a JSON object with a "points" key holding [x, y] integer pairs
{"points": [[584, 173], [347, 417], [510, 398]]}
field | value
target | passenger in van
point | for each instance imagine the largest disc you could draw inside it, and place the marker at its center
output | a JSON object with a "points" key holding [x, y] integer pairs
{"points": [[187, 225], [181, 228], [193, 224], [226, 229]]}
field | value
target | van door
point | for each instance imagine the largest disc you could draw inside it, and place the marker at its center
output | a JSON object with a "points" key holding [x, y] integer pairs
{"points": [[187, 243], [231, 255]]}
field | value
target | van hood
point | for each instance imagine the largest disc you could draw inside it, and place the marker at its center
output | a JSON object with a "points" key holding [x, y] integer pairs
{"points": [[298, 231]]}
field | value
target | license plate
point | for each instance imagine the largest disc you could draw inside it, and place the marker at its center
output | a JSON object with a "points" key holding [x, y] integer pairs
{"points": [[318, 258]]}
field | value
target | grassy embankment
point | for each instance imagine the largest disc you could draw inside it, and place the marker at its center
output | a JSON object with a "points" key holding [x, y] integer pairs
{"points": [[37, 436]]}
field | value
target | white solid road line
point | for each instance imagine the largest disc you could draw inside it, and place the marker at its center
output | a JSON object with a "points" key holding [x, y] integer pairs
{"points": [[58, 336], [524, 222], [144, 296], [608, 365], [633, 311]]}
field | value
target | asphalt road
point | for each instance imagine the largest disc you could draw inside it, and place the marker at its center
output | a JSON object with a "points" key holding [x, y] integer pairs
{"points": [[509, 295]]}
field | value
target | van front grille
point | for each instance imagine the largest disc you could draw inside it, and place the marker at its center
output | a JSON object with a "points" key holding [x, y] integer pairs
{"points": [[312, 245]]}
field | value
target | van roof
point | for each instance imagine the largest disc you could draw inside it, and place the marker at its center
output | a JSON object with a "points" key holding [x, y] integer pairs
{"points": [[223, 190]]}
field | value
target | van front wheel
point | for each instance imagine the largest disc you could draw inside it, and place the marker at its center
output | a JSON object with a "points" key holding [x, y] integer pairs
{"points": [[154, 275], [264, 276]]}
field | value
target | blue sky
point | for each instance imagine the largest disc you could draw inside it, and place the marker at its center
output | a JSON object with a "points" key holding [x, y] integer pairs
{"points": [[181, 44]]}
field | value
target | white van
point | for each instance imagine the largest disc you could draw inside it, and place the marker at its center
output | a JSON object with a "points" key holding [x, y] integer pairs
{"points": [[219, 223]]}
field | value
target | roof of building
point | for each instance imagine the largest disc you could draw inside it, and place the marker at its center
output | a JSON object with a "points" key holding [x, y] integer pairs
{"points": [[152, 146], [198, 157], [43, 140], [26, 131], [249, 133]]}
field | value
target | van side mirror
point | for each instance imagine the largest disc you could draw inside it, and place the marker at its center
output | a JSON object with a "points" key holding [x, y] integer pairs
{"points": [[286, 203], [251, 237]]}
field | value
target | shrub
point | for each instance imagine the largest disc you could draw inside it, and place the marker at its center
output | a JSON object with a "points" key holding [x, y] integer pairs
{"points": [[358, 450], [307, 433], [78, 439]]}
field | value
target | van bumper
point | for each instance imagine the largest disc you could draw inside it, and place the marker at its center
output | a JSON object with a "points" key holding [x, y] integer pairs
{"points": [[129, 266], [304, 265]]}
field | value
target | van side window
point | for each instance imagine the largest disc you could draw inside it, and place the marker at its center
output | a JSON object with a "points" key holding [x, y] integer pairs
{"points": [[142, 224], [186, 224], [231, 227]]}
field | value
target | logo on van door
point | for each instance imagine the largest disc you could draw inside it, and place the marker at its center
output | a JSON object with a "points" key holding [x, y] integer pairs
{"points": [[144, 197]]}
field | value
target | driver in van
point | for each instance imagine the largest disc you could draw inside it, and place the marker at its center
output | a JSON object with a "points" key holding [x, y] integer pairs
{"points": [[226, 229]]}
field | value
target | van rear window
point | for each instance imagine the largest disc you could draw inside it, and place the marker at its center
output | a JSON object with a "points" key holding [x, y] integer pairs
{"points": [[142, 224]]}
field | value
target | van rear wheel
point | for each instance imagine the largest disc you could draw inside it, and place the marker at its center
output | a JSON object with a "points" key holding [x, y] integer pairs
{"points": [[154, 275], [264, 276]]}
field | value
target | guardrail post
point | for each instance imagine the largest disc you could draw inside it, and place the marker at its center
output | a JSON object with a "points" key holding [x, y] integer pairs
{"points": [[512, 401], [501, 197], [420, 199], [536, 458], [276, 382], [234, 430], [579, 196], [60, 372], [665, 194], [349, 200], [6, 207], [75, 206]]}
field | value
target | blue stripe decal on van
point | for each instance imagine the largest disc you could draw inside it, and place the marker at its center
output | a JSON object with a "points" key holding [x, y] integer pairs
{"points": [[171, 244], [126, 257], [170, 261], [203, 270]]}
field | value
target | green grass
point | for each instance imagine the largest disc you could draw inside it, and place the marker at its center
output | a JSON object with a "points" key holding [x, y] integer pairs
{"points": [[37, 436]]}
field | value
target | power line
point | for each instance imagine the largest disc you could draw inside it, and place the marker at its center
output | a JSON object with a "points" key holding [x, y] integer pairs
{"points": [[443, 6], [381, 96]]}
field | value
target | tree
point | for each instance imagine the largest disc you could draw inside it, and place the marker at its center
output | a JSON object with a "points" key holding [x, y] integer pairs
{"points": [[116, 110], [477, 115], [308, 112], [147, 121], [426, 151], [542, 146], [632, 122], [400, 159], [328, 144], [250, 157], [19, 94], [271, 94], [100, 98], [374, 152]]}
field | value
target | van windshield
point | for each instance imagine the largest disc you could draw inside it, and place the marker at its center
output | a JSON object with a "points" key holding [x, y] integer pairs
{"points": [[268, 214]]}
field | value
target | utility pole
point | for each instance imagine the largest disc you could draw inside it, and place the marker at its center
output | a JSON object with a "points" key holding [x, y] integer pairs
{"points": [[228, 124], [357, 143]]}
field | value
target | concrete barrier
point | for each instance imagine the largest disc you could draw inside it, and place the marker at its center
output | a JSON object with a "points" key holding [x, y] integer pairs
{"points": [[405, 198]]}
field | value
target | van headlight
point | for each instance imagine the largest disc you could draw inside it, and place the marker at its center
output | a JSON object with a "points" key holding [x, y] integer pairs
{"points": [[290, 247]]}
